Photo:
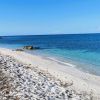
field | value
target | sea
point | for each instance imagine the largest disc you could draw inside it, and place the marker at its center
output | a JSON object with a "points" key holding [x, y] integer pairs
{"points": [[82, 50]]}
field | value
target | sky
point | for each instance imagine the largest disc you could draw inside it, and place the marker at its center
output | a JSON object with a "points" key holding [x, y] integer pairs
{"points": [[21, 17]]}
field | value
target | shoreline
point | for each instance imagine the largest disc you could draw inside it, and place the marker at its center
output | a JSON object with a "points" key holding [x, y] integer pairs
{"points": [[81, 81], [82, 65]]}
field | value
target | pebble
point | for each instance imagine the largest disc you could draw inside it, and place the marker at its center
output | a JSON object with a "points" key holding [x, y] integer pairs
{"points": [[20, 82]]}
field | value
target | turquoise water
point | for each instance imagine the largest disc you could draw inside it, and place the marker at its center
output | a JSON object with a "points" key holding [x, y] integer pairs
{"points": [[77, 57], [81, 50]]}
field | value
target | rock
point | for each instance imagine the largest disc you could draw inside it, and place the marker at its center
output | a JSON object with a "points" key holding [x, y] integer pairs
{"points": [[30, 47]]}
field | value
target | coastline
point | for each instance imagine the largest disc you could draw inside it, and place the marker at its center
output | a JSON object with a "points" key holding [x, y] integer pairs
{"points": [[81, 81]]}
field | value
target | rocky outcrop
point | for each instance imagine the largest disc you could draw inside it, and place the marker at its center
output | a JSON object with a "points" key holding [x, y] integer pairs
{"points": [[31, 47]]}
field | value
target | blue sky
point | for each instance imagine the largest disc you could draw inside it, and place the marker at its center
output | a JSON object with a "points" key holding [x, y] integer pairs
{"points": [[18, 17]]}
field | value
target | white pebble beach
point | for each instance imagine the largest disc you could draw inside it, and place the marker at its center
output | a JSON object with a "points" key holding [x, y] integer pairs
{"points": [[32, 77]]}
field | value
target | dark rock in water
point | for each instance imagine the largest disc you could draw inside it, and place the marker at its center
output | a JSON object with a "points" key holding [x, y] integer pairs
{"points": [[30, 47], [19, 50]]}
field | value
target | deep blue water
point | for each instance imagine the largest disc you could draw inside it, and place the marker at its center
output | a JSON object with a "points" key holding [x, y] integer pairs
{"points": [[81, 49]]}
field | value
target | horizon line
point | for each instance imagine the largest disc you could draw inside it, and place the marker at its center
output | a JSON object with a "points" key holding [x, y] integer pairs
{"points": [[50, 34]]}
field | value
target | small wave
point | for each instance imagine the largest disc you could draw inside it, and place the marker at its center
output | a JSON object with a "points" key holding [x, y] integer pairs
{"points": [[61, 62]]}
